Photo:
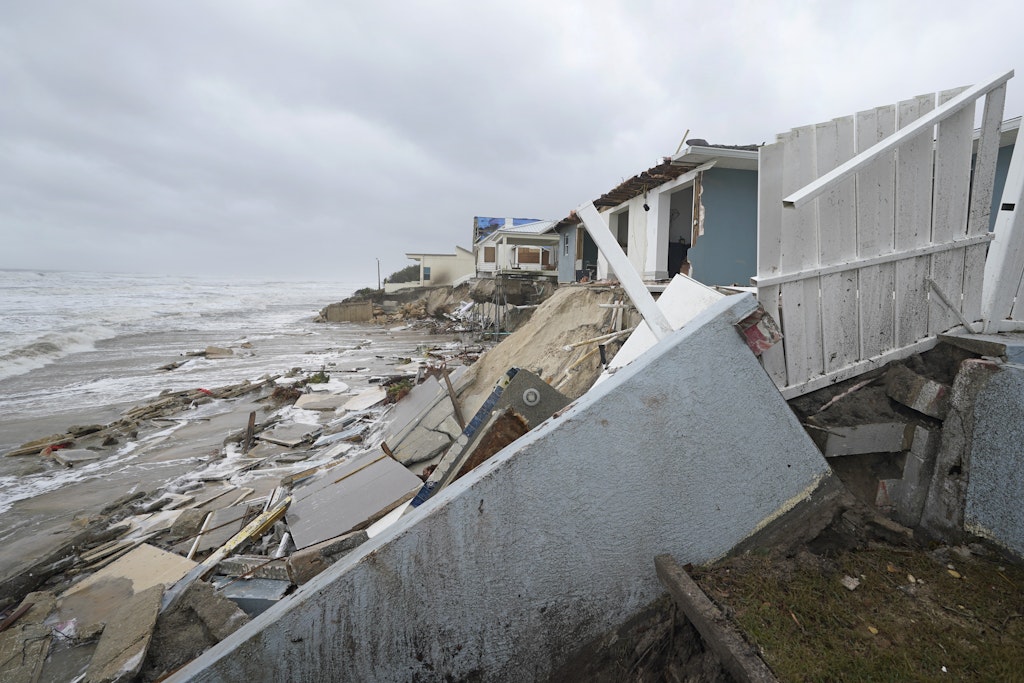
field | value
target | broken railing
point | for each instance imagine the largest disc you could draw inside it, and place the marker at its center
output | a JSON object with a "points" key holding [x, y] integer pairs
{"points": [[873, 232]]}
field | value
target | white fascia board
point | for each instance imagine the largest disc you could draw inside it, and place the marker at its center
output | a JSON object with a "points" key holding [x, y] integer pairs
{"points": [[745, 159]]}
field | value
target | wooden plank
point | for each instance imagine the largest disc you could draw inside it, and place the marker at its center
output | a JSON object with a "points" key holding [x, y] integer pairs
{"points": [[979, 212], [884, 147], [876, 233], [769, 241], [724, 639], [837, 221], [892, 257], [913, 222], [624, 270], [859, 368], [799, 249], [953, 147]]}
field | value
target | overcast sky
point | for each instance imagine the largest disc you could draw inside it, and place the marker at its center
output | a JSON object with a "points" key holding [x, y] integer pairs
{"points": [[306, 139]]}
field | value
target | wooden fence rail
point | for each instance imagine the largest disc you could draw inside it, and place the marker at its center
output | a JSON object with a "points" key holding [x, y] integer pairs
{"points": [[861, 220]]}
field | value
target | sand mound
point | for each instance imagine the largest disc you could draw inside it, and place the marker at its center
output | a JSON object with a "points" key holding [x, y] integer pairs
{"points": [[572, 314]]}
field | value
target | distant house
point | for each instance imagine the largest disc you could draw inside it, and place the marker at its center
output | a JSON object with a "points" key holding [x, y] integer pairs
{"points": [[527, 249], [695, 213], [577, 253], [438, 269]]}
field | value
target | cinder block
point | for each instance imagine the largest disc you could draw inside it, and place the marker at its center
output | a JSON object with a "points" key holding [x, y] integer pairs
{"points": [[917, 476], [924, 395], [881, 437]]}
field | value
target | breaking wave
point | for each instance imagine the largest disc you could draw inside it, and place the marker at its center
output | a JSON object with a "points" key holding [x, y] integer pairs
{"points": [[48, 348]]}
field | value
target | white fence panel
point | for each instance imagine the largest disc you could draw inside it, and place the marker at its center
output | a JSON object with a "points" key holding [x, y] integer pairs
{"points": [[769, 245], [949, 213], [913, 221], [840, 324], [846, 266]]}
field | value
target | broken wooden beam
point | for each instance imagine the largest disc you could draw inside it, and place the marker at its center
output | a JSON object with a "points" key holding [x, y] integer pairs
{"points": [[737, 657]]}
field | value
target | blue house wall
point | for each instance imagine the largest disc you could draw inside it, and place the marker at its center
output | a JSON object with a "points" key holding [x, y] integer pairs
{"points": [[726, 254]]}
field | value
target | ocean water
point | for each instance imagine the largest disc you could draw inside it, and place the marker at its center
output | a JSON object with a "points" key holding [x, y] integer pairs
{"points": [[80, 348], [72, 342]]}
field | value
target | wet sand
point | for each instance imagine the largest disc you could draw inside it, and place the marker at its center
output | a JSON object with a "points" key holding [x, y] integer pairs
{"points": [[165, 451]]}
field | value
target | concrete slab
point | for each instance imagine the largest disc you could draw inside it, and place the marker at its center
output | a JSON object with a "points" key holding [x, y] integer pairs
{"points": [[549, 543], [881, 437], [995, 483], [366, 398], [222, 525], [943, 514], [321, 401], [24, 645], [122, 648], [1008, 345], [924, 395], [349, 497], [253, 596], [94, 599], [76, 456], [918, 470], [290, 435]]}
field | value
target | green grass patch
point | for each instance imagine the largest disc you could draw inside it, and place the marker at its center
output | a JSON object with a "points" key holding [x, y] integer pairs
{"points": [[909, 617]]}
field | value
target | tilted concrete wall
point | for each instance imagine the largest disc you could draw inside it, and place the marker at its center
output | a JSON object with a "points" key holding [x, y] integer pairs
{"points": [[995, 477], [550, 543]]}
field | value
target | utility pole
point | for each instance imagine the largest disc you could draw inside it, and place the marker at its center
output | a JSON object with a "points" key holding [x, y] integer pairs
{"points": [[378, 274]]}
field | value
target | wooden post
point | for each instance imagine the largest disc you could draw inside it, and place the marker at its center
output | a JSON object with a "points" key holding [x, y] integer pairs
{"points": [[249, 433]]}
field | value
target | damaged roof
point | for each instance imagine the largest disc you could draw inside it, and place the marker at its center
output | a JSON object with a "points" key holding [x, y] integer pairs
{"points": [[669, 169]]}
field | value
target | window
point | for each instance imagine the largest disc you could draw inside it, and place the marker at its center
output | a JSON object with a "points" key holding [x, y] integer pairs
{"points": [[488, 254], [426, 273], [565, 243]]}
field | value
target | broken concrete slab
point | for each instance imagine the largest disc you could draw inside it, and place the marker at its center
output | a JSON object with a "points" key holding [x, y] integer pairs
{"points": [[924, 395], [319, 401], [94, 599], [880, 437], [349, 497], [423, 423], [367, 398], [995, 482], [23, 646], [304, 564], [69, 457], [253, 596], [1006, 345], [219, 527], [290, 435], [198, 621], [918, 470], [218, 352], [538, 549], [943, 514], [125, 640]]}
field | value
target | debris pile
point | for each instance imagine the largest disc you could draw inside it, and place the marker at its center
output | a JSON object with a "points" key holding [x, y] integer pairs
{"points": [[159, 577]]}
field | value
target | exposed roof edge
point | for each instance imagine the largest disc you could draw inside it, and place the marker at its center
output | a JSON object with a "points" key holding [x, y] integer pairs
{"points": [[727, 157]]}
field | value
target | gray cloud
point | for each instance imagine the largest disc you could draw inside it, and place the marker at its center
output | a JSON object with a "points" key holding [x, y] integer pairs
{"points": [[306, 139]]}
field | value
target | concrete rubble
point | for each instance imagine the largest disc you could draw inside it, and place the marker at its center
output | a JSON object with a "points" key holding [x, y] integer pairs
{"points": [[513, 505], [160, 577]]}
